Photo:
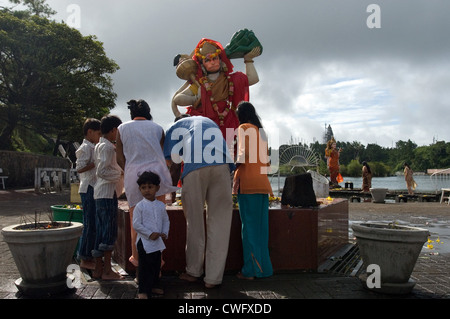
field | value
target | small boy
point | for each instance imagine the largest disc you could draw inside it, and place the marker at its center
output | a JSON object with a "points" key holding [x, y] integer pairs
{"points": [[108, 175], [151, 222], [85, 168]]}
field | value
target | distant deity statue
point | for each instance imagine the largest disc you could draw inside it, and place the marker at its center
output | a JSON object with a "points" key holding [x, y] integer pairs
{"points": [[332, 155], [212, 89]]}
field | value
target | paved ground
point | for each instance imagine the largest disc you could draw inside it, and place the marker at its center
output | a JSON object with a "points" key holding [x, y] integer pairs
{"points": [[431, 272]]}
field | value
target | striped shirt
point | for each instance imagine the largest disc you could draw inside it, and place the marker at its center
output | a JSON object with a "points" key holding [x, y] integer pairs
{"points": [[107, 170]]}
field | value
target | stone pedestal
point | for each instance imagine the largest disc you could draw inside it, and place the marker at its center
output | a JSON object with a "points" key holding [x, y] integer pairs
{"points": [[299, 238], [392, 248], [378, 194]]}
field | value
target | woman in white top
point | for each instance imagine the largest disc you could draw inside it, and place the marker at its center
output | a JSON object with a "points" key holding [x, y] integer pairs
{"points": [[139, 148]]}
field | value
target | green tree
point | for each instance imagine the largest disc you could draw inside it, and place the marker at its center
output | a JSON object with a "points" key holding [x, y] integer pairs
{"points": [[439, 155], [51, 77], [319, 149], [433, 156], [350, 151], [422, 158], [354, 168], [403, 152], [375, 153], [36, 7], [379, 169]]}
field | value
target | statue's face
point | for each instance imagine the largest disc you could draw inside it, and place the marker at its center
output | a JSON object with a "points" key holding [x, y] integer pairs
{"points": [[212, 65]]}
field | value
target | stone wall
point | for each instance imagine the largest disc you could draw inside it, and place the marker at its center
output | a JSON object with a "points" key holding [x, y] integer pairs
{"points": [[20, 167]]}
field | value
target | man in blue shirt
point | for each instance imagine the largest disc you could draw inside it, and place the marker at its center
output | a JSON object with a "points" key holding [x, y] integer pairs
{"points": [[198, 142]]}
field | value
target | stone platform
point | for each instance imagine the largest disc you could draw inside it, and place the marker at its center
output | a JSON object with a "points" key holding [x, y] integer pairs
{"points": [[299, 238]]}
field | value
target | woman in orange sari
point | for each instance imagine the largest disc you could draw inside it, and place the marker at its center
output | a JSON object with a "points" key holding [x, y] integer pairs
{"points": [[367, 177], [252, 187]]}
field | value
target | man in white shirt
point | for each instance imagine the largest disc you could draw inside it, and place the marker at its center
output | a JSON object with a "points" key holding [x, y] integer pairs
{"points": [[198, 142]]}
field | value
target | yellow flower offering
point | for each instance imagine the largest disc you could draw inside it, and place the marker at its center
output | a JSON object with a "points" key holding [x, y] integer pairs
{"points": [[430, 241]]}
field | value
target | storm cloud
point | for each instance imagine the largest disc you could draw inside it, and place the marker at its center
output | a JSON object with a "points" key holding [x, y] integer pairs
{"points": [[322, 62]]}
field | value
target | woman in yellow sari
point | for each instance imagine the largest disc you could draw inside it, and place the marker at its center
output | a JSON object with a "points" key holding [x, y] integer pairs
{"points": [[409, 179]]}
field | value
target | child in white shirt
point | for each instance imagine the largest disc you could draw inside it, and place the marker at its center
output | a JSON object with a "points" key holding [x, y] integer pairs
{"points": [[151, 222], [86, 170], [109, 175]]}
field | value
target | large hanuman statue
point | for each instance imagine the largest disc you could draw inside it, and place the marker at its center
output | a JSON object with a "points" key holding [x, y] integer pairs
{"points": [[212, 89]]}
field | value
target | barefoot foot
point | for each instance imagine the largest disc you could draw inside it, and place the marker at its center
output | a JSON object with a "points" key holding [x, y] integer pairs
{"points": [[112, 275], [133, 261], [187, 277], [241, 276], [87, 264], [158, 291], [209, 286]]}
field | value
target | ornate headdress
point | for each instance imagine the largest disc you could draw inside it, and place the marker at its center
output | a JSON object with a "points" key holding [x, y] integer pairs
{"points": [[207, 48], [330, 142]]}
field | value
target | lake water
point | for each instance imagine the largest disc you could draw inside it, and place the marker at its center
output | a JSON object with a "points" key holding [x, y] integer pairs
{"points": [[424, 183]]}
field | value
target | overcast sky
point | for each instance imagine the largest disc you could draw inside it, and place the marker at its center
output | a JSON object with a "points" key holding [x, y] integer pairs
{"points": [[322, 64]]}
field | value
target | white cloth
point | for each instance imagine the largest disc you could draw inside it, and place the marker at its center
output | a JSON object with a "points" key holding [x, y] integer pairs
{"points": [[143, 152], [107, 170], [85, 156], [151, 217]]}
